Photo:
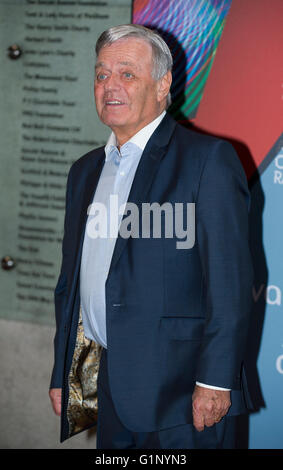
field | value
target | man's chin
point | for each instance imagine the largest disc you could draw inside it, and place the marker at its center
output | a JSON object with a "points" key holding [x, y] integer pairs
{"points": [[113, 121]]}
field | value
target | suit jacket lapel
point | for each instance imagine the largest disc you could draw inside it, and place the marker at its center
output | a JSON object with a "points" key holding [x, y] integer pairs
{"points": [[145, 173]]}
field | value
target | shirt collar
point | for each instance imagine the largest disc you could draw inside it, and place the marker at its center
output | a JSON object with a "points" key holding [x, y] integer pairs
{"points": [[140, 139]]}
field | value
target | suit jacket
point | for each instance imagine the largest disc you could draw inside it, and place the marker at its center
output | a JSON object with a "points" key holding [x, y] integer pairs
{"points": [[173, 316]]}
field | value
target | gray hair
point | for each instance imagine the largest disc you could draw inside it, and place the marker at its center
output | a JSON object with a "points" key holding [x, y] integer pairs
{"points": [[162, 58]]}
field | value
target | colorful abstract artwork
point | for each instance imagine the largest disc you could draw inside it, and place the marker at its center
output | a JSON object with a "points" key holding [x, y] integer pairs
{"points": [[192, 30]]}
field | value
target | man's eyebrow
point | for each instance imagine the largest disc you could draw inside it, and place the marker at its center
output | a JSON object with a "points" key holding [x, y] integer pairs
{"points": [[131, 64], [99, 64]]}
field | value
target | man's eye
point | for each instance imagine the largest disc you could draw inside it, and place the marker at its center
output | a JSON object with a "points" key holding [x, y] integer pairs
{"points": [[101, 76], [128, 75]]}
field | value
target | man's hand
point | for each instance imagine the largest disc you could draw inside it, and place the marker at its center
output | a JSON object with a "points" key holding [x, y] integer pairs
{"points": [[55, 395], [209, 406]]}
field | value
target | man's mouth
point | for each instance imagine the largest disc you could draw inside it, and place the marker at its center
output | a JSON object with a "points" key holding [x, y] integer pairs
{"points": [[114, 102]]}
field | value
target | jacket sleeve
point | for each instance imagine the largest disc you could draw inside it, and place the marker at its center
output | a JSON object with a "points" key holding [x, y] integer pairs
{"points": [[223, 240], [60, 297]]}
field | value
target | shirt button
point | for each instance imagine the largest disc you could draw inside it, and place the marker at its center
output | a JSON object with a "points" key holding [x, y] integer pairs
{"points": [[122, 173]]}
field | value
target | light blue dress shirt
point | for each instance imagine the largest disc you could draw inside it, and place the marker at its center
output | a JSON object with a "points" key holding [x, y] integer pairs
{"points": [[116, 179]]}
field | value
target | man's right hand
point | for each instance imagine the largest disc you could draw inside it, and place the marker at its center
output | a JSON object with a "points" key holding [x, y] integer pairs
{"points": [[55, 395]]}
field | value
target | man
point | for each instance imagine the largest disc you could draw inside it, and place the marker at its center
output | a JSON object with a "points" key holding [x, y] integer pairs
{"points": [[171, 324]]}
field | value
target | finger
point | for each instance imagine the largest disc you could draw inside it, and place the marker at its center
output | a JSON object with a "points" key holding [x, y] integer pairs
{"points": [[57, 409], [211, 413], [56, 404], [219, 411], [209, 421], [198, 420]]}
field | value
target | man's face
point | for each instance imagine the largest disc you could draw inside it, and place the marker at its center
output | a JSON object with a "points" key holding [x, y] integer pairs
{"points": [[127, 97]]}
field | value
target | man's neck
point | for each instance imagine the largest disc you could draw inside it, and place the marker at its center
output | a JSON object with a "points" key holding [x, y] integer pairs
{"points": [[123, 136], [141, 138]]}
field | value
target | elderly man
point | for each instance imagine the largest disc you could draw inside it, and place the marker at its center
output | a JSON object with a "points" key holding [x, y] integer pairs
{"points": [[165, 323]]}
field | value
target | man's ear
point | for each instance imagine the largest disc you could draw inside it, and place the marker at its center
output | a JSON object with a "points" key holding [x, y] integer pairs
{"points": [[164, 85]]}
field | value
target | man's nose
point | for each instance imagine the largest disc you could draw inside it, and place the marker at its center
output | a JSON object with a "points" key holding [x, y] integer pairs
{"points": [[112, 83]]}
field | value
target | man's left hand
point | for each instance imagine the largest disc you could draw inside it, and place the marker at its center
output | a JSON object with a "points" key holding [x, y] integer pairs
{"points": [[209, 406]]}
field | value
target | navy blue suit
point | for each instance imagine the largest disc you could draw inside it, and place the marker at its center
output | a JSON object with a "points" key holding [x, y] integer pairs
{"points": [[174, 316]]}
